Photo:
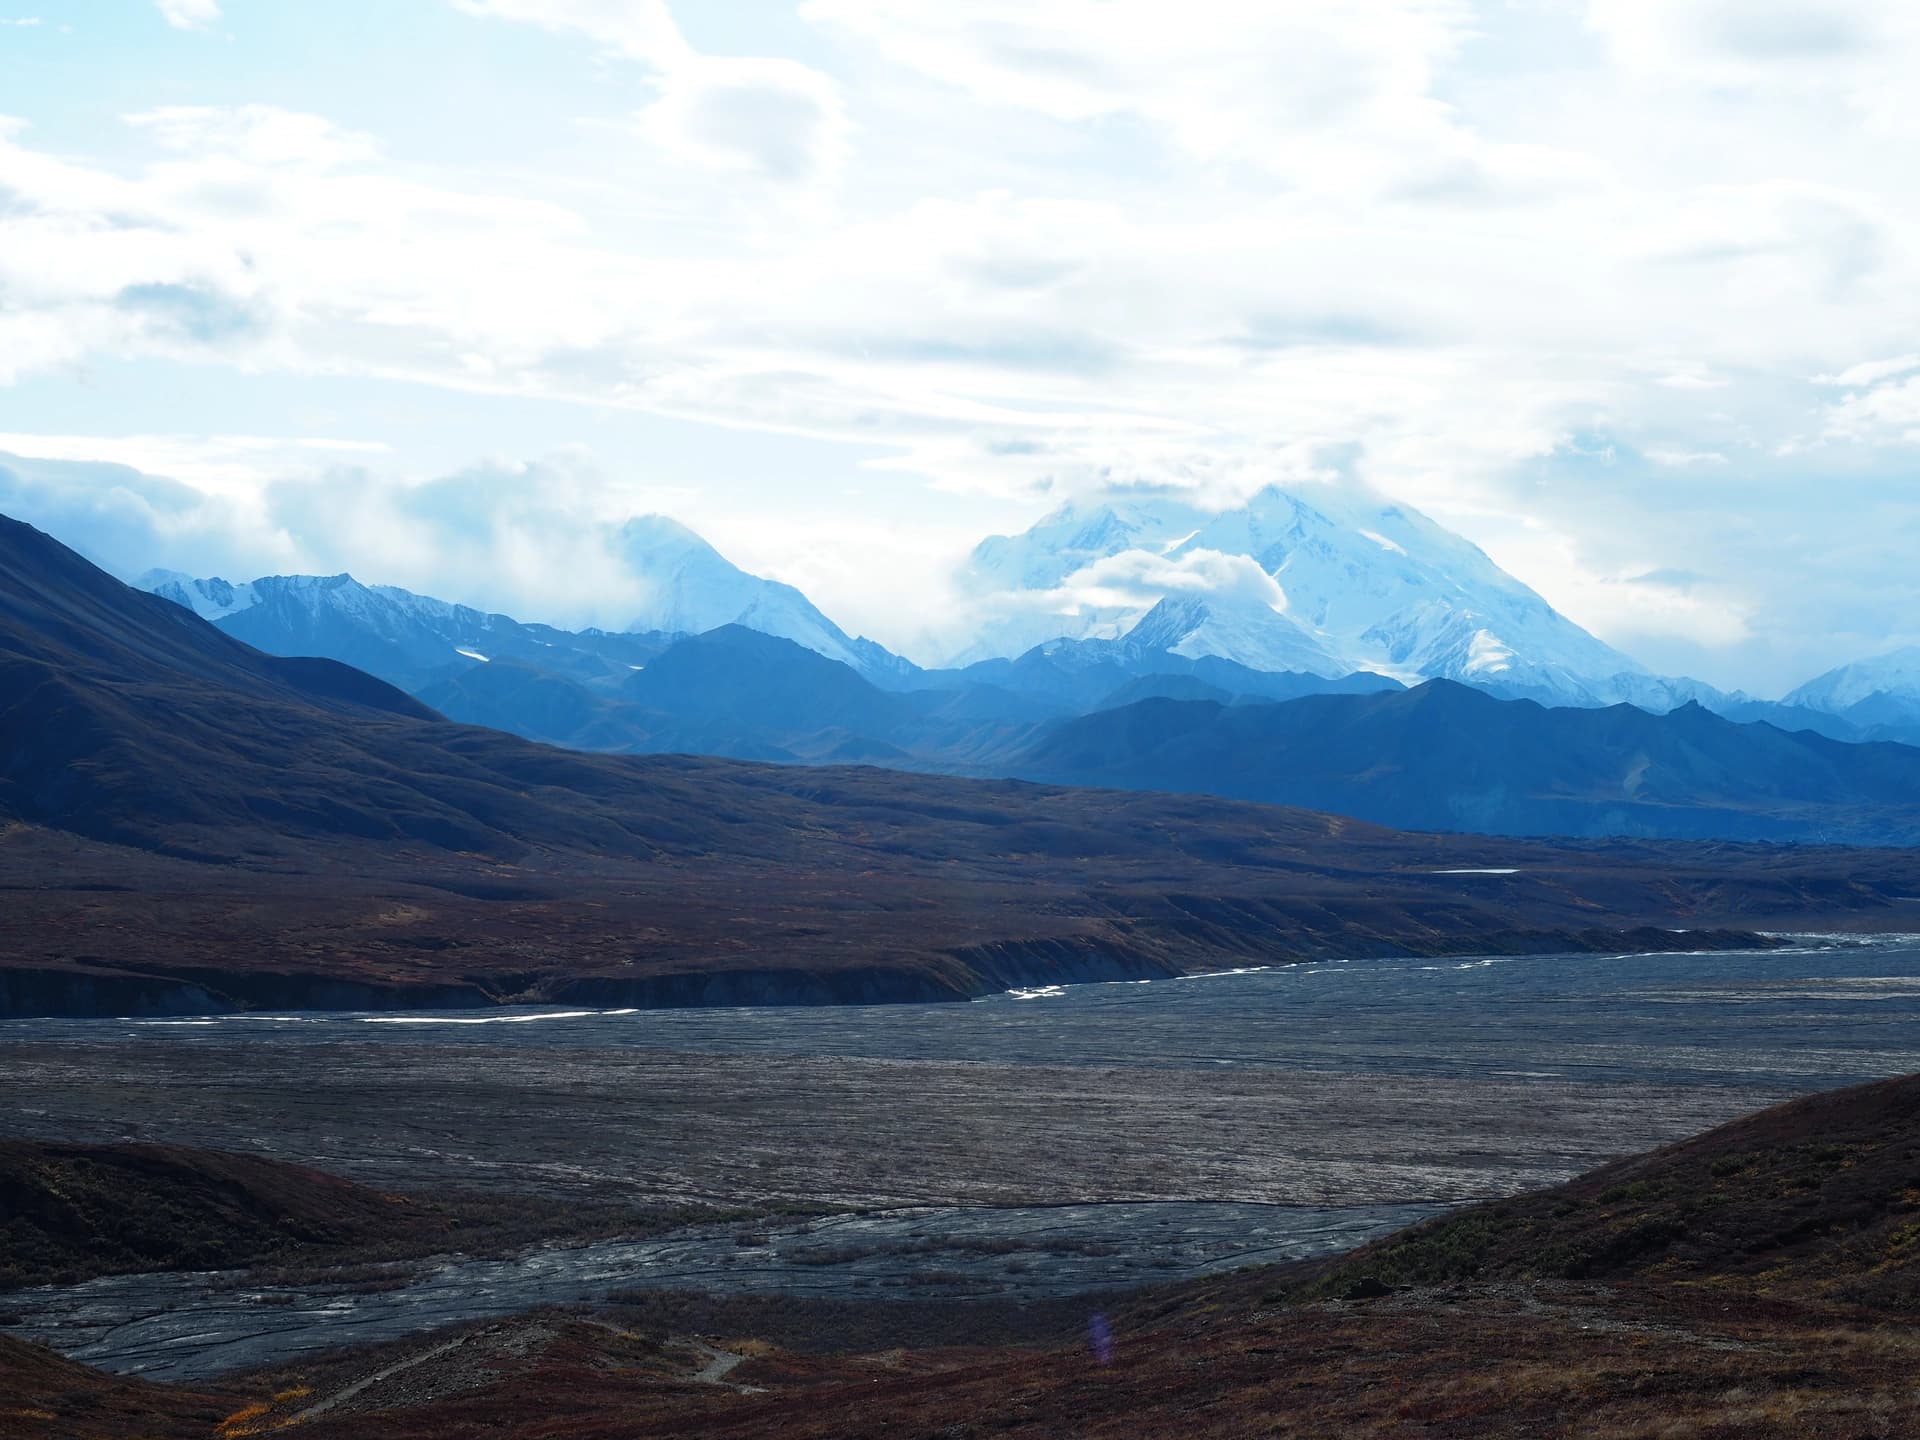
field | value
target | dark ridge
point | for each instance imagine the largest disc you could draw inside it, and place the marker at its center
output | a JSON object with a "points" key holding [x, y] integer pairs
{"points": [[1447, 757]]}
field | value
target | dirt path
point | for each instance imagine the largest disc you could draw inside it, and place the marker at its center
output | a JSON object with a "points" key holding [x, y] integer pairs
{"points": [[366, 1382], [720, 1364]]}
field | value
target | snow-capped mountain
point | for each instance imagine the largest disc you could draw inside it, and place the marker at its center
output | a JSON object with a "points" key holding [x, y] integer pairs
{"points": [[210, 599], [1896, 674], [408, 639], [1253, 634], [1880, 695], [1360, 582], [404, 638], [692, 588]]}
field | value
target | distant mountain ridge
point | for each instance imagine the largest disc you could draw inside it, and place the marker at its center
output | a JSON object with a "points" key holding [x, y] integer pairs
{"points": [[1444, 756], [414, 639], [1878, 697], [657, 691], [1316, 591]]}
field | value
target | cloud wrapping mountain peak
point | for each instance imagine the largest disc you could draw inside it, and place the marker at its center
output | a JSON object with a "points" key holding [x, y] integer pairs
{"points": [[1353, 582]]}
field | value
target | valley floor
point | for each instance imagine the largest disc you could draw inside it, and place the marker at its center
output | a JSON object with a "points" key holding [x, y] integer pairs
{"points": [[1414, 1083]]}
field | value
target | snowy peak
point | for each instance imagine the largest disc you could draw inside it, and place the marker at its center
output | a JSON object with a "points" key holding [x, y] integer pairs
{"points": [[1075, 537], [1894, 676], [1368, 584], [1168, 624], [689, 588], [692, 588], [1247, 632], [210, 599]]}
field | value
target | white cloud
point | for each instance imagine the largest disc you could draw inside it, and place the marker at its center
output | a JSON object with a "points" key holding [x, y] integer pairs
{"points": [[255, 135], [540, 541], [642, 30], [1139, 577], [1685, 458], [1858, 53], [1886, 413], [770, 117], [1338, 93], [1871, 372], [190, 14], [228, 467]]}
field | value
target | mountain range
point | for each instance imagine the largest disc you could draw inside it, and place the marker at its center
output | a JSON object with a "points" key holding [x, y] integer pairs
{"points": [[187, 823], [1138, 710], [412, 639], [1318, 585]]}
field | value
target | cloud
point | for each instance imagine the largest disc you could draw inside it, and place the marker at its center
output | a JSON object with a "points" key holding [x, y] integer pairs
{"points": [[1884, 413], [275, 239], [127, 521], [190, 14], [255, 135], [1855, 52], [1683, 459], [642, 30], [189, 312], [1871, 372], [1221, 79], [1140, 577], [538, 540], [773, 118]]}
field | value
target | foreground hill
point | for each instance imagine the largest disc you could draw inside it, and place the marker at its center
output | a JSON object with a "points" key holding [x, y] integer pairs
{"points": [[190, 824], [74, 1212], [1448, 757], [1818, 1198]]}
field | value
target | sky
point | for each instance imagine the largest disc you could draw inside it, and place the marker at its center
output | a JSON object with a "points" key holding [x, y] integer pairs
{"points": [[439, 291]]}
